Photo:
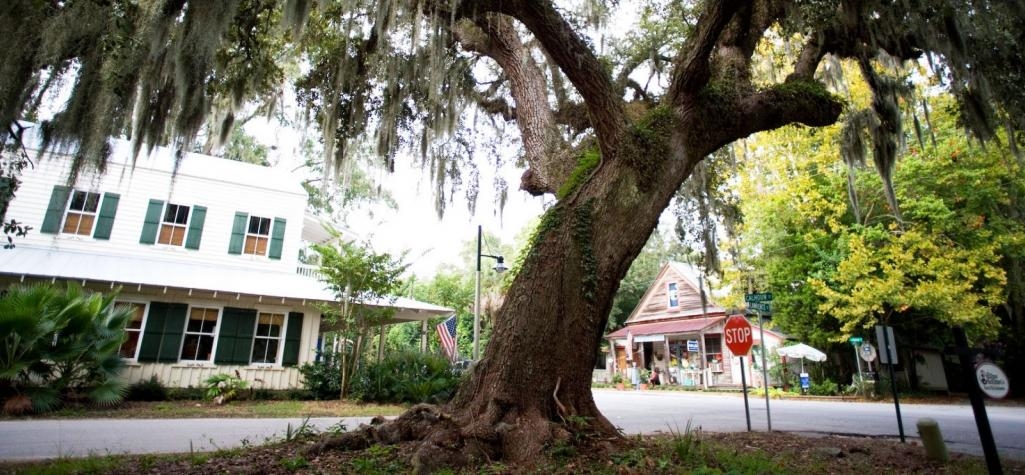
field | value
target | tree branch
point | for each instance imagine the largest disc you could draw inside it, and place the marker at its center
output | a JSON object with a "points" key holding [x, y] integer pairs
{"points": [[577, 61], [693, 62]]}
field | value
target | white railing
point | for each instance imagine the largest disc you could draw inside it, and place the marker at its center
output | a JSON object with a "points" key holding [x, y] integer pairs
{"points": [[307, 270]]}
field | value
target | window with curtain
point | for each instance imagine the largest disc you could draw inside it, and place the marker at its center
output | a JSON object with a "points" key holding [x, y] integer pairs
{"points": [[133, 329], [257, 236], [81, 213], [174, 225]]}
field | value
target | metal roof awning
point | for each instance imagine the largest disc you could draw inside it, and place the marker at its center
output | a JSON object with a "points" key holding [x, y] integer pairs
{"points": [[671, 327], [26, 261]]}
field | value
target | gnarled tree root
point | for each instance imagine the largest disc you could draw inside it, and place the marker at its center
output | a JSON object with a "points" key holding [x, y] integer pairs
{"points": [[446, 441]]}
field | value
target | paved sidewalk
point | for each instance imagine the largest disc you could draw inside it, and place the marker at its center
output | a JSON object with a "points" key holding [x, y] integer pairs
{"points": [[40, 439]]}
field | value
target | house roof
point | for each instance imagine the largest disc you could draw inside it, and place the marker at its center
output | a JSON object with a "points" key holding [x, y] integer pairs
{"points": [[669, 327], [204, 167], [26, 261], [653, 305]]}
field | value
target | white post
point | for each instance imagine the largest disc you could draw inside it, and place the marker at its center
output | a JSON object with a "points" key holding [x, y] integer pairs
{"points": [[765, 371]]}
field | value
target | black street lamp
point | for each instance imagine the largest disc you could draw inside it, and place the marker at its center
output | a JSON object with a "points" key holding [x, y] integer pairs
{"points": [[499, 267]]}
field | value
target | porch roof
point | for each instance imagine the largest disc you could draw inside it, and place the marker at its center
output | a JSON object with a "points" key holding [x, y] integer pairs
{"points": [[669, 327], [134, 271]]}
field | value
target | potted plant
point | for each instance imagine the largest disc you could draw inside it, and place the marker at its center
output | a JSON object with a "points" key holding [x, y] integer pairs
{"points": [[617, 380], [645, 377]]}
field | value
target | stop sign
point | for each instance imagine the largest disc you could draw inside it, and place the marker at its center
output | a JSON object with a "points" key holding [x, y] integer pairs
{"points": [[738, 335]]}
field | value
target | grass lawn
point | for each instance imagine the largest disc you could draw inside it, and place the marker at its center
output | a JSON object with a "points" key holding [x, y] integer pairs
{"points": [[693, 453]]}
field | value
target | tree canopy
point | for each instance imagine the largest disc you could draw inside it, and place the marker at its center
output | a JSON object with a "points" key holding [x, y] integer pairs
{"points": [[611, 132]]}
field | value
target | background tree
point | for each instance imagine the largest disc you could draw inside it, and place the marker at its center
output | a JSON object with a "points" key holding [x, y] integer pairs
{"points": [[613, 150], [363, 282], [942, 263]]}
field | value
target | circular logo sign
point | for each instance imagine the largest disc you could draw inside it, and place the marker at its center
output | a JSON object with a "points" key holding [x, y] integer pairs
{"points": [[737, 335], [867, 352], [992, 380]]}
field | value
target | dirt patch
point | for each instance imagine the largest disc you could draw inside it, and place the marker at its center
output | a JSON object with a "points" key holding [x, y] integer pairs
{"points": [[709, 453]]}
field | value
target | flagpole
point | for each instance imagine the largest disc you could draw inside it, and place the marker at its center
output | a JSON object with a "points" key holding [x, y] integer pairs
{"points": [[476, 304]]}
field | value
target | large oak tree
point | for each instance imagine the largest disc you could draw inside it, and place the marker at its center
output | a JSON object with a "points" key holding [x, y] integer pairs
{"points": [[611, 149]]}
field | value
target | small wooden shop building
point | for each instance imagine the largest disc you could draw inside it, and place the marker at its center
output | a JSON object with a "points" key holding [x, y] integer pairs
{"points": [[677, 328]]}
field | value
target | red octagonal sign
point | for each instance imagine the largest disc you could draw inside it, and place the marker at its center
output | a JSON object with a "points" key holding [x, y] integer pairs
{"points": [[738, 335]]}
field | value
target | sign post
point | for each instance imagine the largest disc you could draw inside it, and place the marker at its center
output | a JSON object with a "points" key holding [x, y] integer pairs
{"points": [[738, 338], [855, 341], [888, 355], [971, 379], [759, 302]]}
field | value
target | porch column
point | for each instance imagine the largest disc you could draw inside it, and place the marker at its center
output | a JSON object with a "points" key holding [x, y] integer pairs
{"points": [[705, 373], [423, 336]]}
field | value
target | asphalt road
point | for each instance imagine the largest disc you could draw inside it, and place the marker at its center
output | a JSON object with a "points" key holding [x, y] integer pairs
{"points": [[650, 411], [632, 411]]}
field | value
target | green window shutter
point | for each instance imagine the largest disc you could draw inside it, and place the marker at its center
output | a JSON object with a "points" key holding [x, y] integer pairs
{"points": [[277, 238], [238, 233], [162, 337], [235, 337], [105, 221], [55, 210], [152, 222], [196, 227], [293, 335]]}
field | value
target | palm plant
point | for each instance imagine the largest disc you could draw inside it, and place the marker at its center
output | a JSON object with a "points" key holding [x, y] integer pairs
{"points": [[59, 344]]}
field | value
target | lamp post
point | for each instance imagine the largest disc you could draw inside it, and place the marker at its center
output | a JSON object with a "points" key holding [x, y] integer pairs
{"points": [[499, 267]]}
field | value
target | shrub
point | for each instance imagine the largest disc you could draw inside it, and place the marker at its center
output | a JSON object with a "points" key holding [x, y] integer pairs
{"points": [[151, 390], [185, 394], [406, 377], [323, 377], [825, 388]]}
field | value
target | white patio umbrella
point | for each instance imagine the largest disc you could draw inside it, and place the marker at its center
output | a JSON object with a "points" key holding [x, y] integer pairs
{"points": [[802, 351]]}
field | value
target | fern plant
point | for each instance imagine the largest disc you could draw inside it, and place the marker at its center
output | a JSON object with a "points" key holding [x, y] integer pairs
{"points": [[223, 387]]}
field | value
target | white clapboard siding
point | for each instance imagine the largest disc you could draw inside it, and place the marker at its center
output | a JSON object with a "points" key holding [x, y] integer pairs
{"points": [[185, 376], [222, 186]]}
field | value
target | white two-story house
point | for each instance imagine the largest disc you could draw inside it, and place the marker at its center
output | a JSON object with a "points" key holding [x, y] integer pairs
{"points": [[204, 250]]}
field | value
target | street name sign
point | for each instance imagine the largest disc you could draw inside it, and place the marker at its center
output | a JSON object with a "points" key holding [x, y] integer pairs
{"points": [[758, 297], [763, 307]]}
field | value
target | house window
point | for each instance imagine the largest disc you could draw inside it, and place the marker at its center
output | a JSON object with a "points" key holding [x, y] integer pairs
{"points": [[174, 225], [713, 347], [674, 301], [133, 329], [81, 213], [257, 236], [268, 337], [198, 344]]}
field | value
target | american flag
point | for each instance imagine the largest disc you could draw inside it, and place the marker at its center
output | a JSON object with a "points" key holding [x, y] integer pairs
{"points": [[447, 335]]}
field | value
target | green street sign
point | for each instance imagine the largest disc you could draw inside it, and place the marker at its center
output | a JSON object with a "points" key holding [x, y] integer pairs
{"points": [[856, 340], [759, 306], [758, 297]]}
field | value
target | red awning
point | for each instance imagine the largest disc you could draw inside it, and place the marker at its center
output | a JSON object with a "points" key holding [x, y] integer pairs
{"points": [[670, 327]]}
